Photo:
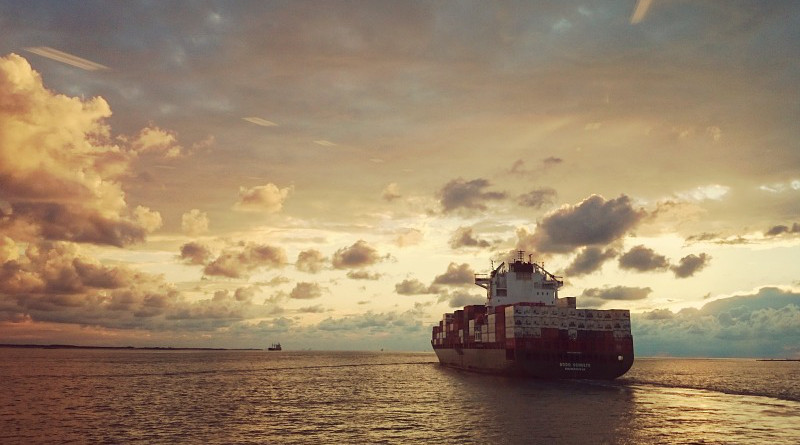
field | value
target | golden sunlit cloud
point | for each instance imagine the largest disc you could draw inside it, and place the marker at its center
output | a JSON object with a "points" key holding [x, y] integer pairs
{"points": [[642, 6], [69, 59], [324, 143], [259, 121]]}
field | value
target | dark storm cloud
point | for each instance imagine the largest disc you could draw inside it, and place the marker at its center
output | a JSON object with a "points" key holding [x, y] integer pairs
{"points": [[537, 198], [235, 263], [195, 253], [463, 237], [643, 259], [456, 275], [595, 221], [589, 259], [691, 264], [470, 195], [360, 254], [311, 261]]}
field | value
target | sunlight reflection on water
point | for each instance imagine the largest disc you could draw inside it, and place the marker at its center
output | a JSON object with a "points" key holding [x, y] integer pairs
{"points": [[254, 396]]}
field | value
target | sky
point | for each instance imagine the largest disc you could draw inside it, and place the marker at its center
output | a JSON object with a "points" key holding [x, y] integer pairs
{"points": [[331, 175]]}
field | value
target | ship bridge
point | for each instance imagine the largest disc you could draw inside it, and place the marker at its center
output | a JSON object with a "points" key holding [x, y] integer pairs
{"points": [[521, 282]]}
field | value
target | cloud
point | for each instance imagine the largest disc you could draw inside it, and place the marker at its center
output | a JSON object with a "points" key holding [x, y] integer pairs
{"points": [[460, 299], [194, 222], [305, 291], [69, 59], [259, 121], [537, 198], [518, 167], [413, 287], [691, 264], [761, 324], [359, 255], [595, 221], [589, 259], [712, 192], [311, 261], [235, 264], [456, 275], [154, 140], [195, 253], [640, 12], [391, 192], [59, 169], [782, 230], [264, 198], [463, 237], [408, 237], [643, 259], [469, 195], [149, 220], [363, 275], [599, 296]]}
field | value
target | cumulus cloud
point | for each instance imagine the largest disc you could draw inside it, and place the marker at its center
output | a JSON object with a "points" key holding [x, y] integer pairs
{"points": [[469, 195], [149, 220], [589, 259], [537, 198], [236, 263], [359, 255], [643, 259], [762, 324], [311, 261], [194, 222], [456, 275], [463, 237], [195, 253], [596, 297], [690, 264], [413, 287], [593, 222], [154, 140], [59, 169], [266, 198], [305, 291]]}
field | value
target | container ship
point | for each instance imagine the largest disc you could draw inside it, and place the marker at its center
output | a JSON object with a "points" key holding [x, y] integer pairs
{"points": [[525, 329]]}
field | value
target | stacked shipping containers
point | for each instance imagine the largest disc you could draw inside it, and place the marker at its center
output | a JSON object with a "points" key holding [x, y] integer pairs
{"points": [[510, 324]]}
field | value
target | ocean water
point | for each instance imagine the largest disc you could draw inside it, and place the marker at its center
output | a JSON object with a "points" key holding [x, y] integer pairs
{"points": [[229, 397]]}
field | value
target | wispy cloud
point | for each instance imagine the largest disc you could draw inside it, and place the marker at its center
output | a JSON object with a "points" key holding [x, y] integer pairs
{"points": [[642, 6], [259, 121], [69, 59], [324, 143]]}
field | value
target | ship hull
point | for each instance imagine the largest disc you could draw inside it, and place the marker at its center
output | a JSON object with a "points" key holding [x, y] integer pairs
{"points": [[529, 364]]}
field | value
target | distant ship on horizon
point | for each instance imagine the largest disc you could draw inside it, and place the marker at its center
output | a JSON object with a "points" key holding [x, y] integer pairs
{"points": [[525, 329], [275, 347]]}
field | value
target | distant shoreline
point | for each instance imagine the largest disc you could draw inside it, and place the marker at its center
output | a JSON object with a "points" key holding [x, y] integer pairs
{"points": [[778, 359], [125, 348]]}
